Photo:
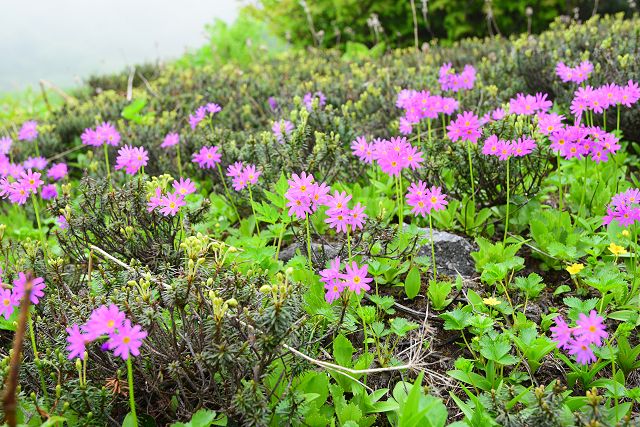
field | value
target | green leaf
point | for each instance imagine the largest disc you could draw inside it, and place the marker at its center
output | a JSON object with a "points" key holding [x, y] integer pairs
{"points": [[412, 283], [343, 351]]}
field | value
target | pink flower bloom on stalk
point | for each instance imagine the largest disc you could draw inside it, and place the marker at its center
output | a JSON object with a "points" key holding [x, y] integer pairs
{"points": [[449, 80], [170, 140], [623, 208], [90, 137], [131, 159], [37, 163], [423, 200], [304, 195], [561, 333], [466, 127], [591, 328], [171, 204], [339, 219], [356, 278], [127, 340], [18, 193], [57, 171], [529, 104], [550, 123], [5, 145], [8, 303], [30, 180], [361, 149], [338, 200], [37, 288], [207, 157], [319, 195], [309, 97], [184, 187], [522, 146], [202, 112], [235, 169], [357, 216], [281, 130], [299, 205], [435, 198], [77, 342], [582, 351], [331, 279], [155, 200], [104, 320], [62, 222], [248, 176], [49, 191], [577, 74], [107, 134], [28, 131]]}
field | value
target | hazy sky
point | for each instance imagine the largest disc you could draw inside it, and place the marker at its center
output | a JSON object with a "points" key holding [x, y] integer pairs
{"points": [[65, 40]]}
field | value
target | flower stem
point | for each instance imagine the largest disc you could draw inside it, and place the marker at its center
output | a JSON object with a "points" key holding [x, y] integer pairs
{"points": [[618, 120], [400, 204], [560, 189], [178, 160], [349, 242], [36, 358], [280, 236], [473, 191], [106, 162], [226, 190], [506, 224], [255, 217], [433, 248], [36, 209], [309, 242], [132, 400], [429, 130]]}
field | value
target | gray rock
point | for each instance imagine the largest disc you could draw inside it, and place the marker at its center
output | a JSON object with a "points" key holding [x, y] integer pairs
{"points": [[317, 248], [453, 253]]}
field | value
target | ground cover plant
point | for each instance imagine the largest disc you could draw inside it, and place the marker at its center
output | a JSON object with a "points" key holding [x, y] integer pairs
{"points": [[261, 245]]}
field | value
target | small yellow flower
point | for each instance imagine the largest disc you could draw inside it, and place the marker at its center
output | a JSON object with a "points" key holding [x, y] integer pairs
{"points": [[575, 268], [625, 233], [617, 250], [491, 301]]}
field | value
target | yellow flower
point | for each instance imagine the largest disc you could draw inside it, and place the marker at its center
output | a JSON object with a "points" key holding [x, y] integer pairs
{"points": [[491, 301], [575, 268], [617, 250], [625, 233]]}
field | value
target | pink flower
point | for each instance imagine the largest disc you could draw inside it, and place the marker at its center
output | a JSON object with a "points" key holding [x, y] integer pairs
{"points": [[561, 333], [356, 278], [466, 127], [207, 157], [57, 171], [301, 184], [299, 205], [251, 174], [591, 329], [582, 351], [18, 193], [338, 219], [103, 320], [5, 145], [49, 191], [62, 222], [435, 199], [90, 137], [235, 169], [319, 195], [333, 291], [359, 147], [549, 123], [37, 163], [77, 342], [8, 302], [338, 200], [37, 288], [127, 340], [184, 187], [171, 204], [491, 146], [30, 180], [107, 134], [357, 216], [330, 276], [28, 131], [155, 200], [282, 129], [522, 146], [131, 159], [170, 140]]}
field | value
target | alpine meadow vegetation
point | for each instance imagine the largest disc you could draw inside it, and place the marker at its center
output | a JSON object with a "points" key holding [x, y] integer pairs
{"points": [[264, 242]]}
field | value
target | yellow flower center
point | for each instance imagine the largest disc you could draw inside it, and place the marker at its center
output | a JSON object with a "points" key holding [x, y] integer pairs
{"points": [[126, 340]]}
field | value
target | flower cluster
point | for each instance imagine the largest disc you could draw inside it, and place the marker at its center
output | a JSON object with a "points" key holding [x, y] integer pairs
{"points": [[604, 97], [579, 340], [106, 323], [577, 74], [207, 157], [131, 159], [281, 130], [170, 203], [355, 279], [242, 175], [422, 105], [449, 80], [5, 145], [105, 133], [18, 191], [580, 141], [309, 97], [10, 297], [624, 208], [394, 155], [529, 105], [170, 140], [504, 149], [423, 200], [28, 131], [466, 126], [304, 195], [202, 113], [340, 217], [57, 171]]}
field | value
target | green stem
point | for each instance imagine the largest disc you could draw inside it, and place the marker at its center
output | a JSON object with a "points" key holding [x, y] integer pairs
{"points": [[429, 130], [560, 189], [36, 209], [433, 248], [36, 358], [255, 217], [309, 242], [604, 120], [132, 400], [106, 162], [444, 127], [226, 190], [400, 203], [178, 160], [584, 186], [618, 120], [506, 224], [280, 236], [473, 191], [349, 242], [37, 148], [364, 330]]}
